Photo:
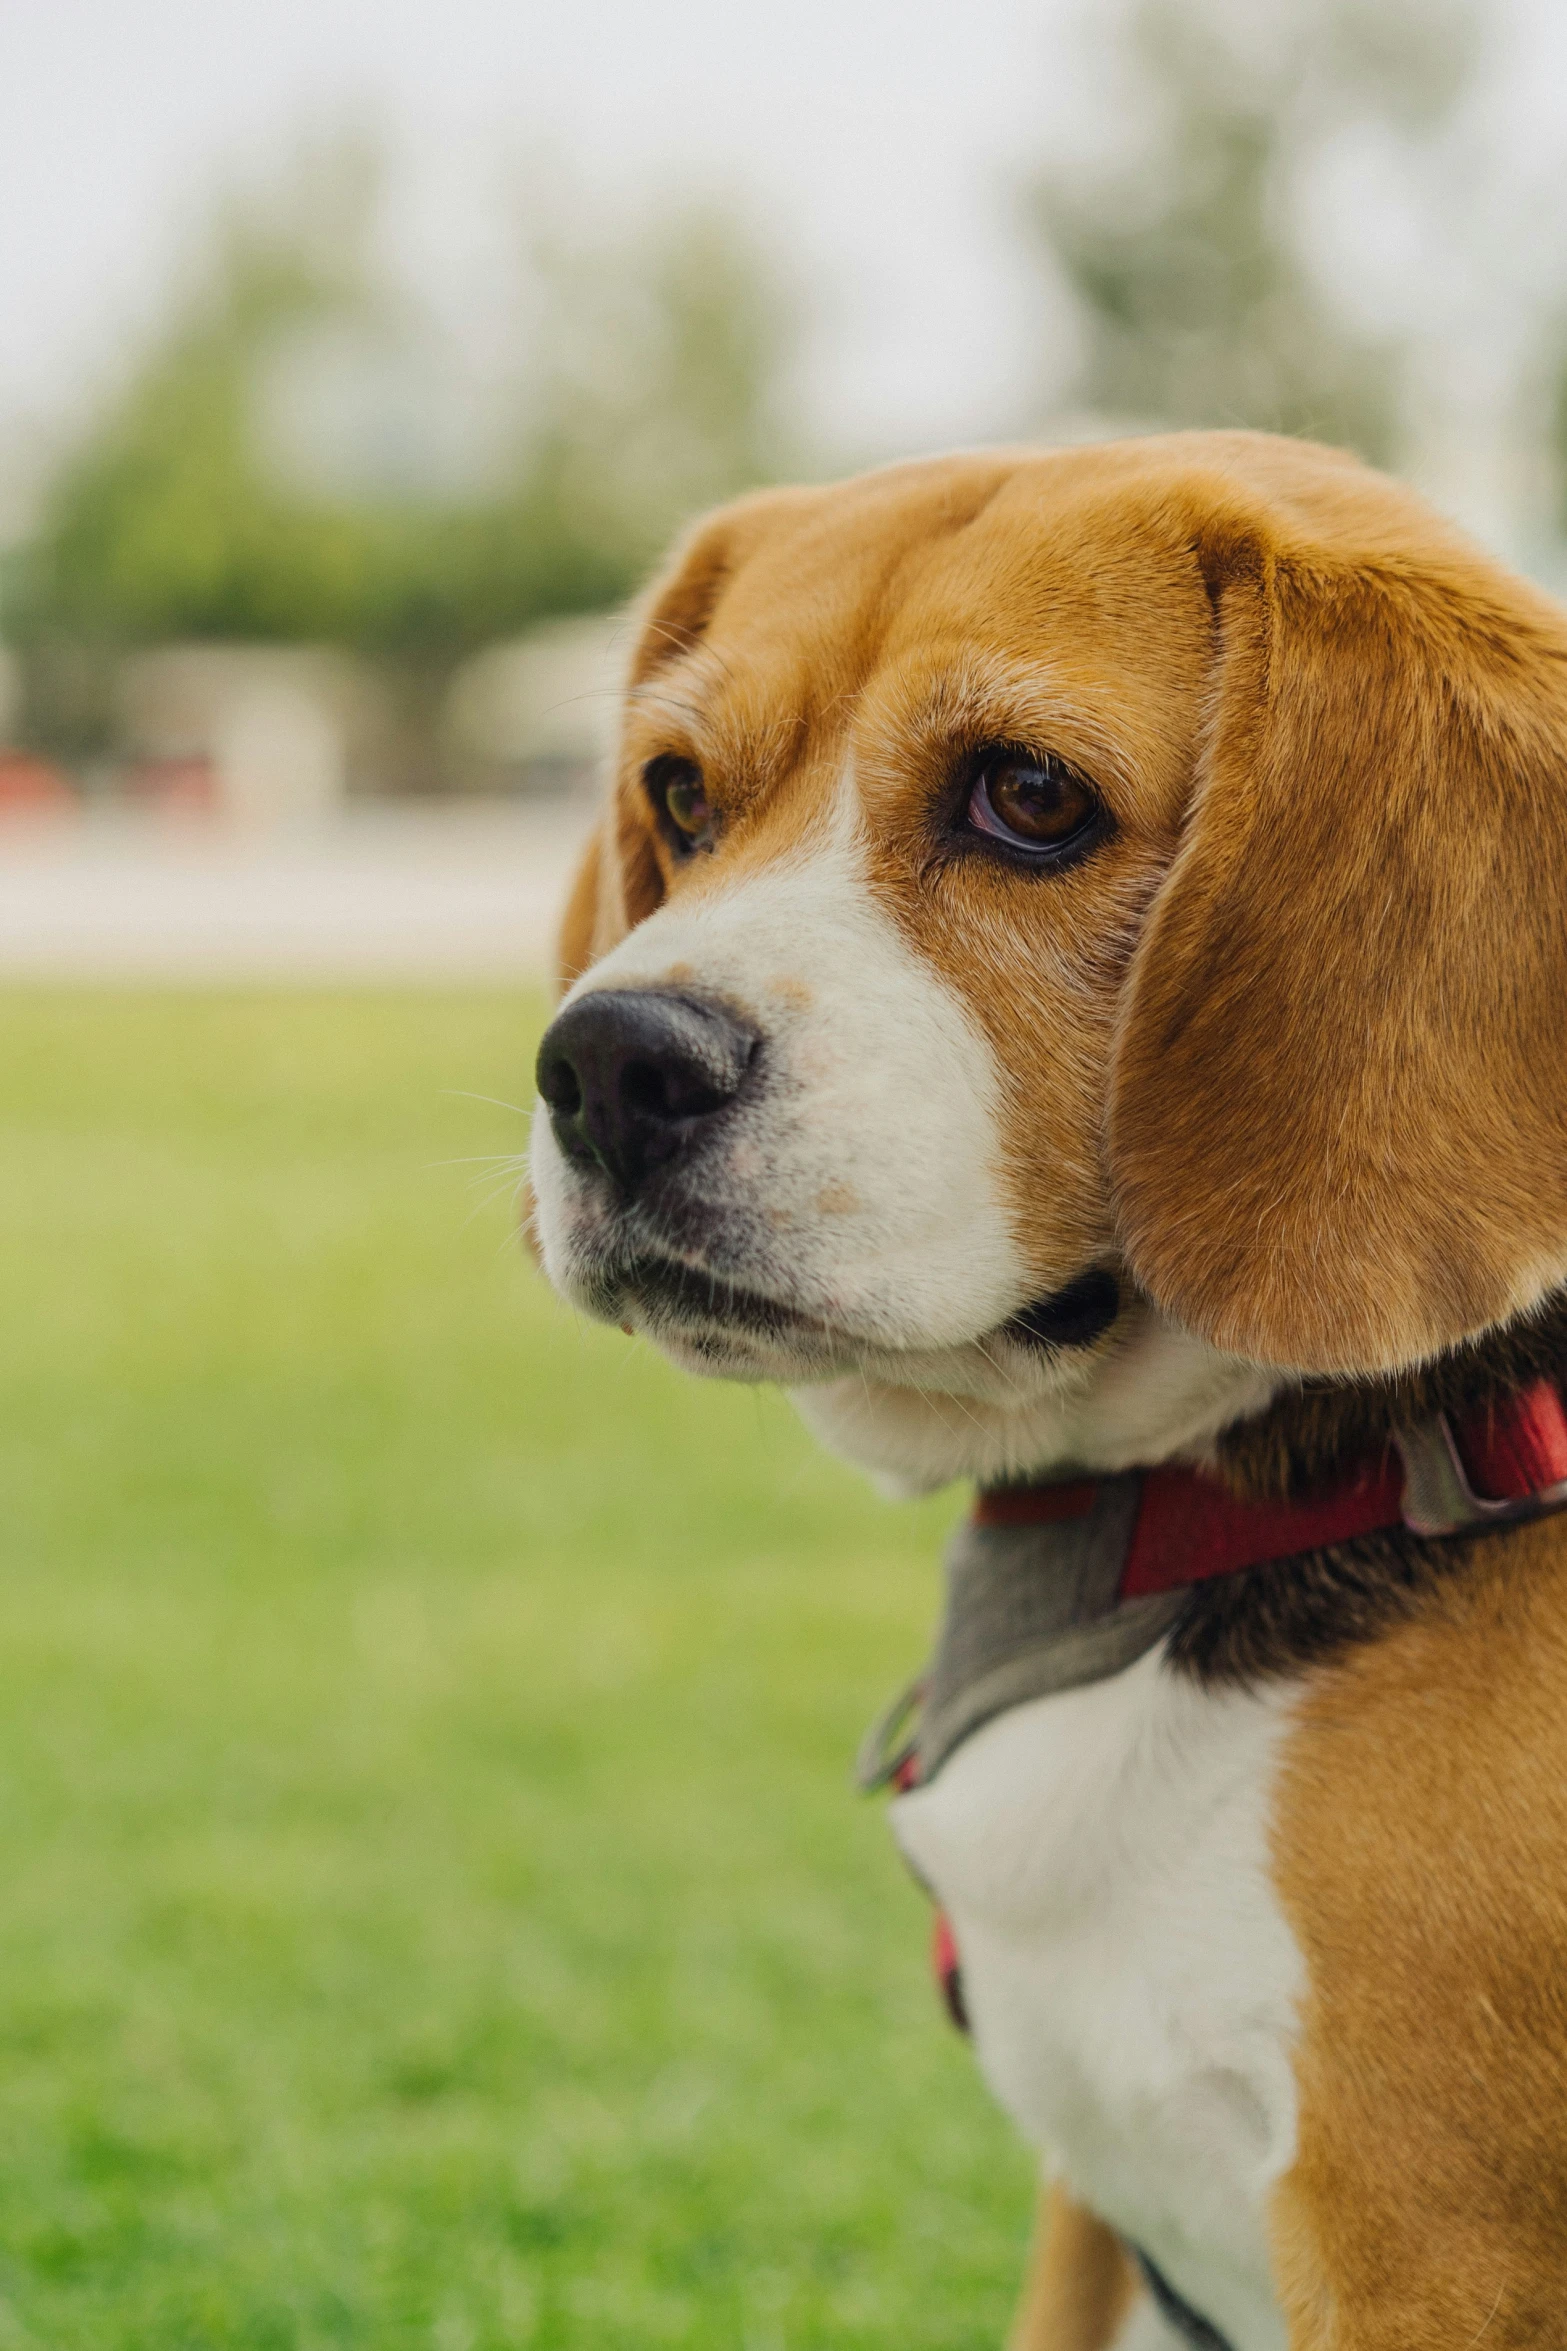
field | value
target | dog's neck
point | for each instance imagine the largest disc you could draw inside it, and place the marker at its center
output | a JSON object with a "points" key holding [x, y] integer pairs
{"points": [[1151, 1393], [1317, 1430], [1285, 1616], [1158, 1396]]}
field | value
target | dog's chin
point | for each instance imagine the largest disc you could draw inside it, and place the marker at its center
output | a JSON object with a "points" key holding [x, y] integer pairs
{"points": [[989, 1368], [707, 1322], [717, 1328], [710, 1352]]}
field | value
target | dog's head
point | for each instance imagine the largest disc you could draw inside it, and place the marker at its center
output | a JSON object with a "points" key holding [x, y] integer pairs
{"points": [[1077, 938]]}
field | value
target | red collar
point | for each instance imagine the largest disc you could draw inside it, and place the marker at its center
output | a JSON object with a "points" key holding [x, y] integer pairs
{"points": [[1504, 1463]]}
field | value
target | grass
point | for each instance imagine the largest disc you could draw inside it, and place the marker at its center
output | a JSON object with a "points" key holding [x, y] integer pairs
{"points": [[434, 1911]]}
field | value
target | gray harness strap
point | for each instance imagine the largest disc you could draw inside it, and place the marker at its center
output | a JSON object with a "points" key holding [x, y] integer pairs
{"points": [[1030, 1611]]}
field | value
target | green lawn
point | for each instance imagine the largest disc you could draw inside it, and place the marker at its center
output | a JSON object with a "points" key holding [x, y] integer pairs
{"points": [[434, 1911]]}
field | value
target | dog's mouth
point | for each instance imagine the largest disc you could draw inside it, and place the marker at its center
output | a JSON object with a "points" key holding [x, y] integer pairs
{"points": [[710, 1315], [668, 1291]]}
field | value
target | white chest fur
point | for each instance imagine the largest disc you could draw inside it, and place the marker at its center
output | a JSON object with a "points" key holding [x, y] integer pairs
{"points": [[1132, 1980]]}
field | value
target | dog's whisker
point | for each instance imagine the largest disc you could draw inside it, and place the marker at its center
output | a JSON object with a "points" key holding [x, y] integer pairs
{"points": [[461, 1094], [517, 1159], [1013, 1386]]}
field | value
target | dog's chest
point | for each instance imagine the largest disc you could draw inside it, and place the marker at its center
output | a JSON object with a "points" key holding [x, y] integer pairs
{"points": [[1132, 1981]]}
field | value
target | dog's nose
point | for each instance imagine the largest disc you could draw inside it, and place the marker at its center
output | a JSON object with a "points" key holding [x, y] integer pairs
{"points": [[631, 1076]]}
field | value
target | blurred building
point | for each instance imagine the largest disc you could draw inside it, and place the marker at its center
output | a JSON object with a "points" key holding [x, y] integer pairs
{"points": [[279, 737], [536, 714], [264, 736]]}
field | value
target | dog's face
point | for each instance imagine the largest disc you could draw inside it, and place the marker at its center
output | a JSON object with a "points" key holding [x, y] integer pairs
{"points": [[1009, 988]]}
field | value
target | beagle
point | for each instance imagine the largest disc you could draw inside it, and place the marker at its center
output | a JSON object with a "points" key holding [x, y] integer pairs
{"points": [[1072, 984]]}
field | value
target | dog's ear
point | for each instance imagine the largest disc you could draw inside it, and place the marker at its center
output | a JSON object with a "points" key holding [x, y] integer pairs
{"points": [[1338, 1127], [619, 882]]}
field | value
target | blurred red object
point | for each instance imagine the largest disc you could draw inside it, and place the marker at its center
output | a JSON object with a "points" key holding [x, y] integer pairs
{"points": [[175, 787], [30, 786]]}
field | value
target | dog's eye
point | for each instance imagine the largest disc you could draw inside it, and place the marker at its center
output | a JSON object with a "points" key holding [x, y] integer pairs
{"points": [[678, 793], [1031, 803]]}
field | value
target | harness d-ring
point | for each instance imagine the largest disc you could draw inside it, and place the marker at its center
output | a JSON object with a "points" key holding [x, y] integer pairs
{"points": [[889, 1746]]}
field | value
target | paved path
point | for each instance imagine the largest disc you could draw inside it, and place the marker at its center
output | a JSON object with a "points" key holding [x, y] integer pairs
{"points": [[410, 894]]}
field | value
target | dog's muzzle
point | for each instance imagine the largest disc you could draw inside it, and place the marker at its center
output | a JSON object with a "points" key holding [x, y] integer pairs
{"points": [[635, 1078]]}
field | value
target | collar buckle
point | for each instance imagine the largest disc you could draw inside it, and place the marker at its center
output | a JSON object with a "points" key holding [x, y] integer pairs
{"points": [[1438, 1498]]}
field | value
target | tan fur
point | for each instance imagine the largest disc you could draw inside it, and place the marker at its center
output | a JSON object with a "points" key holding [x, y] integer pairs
{"points": [[1080, 2284], [1289, 1046], [578, 943], [1422, 1854]]}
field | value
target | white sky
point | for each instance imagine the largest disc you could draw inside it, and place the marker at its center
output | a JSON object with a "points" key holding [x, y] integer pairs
{"points": [[877, 139]]}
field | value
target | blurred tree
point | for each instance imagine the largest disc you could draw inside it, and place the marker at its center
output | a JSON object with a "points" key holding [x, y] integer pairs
{"points": [[660, 394], [291, 457], [161, 521], [1183, 244]]}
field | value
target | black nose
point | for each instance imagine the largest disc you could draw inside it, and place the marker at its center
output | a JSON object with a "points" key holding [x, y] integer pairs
{"points": [[631, 1076]]}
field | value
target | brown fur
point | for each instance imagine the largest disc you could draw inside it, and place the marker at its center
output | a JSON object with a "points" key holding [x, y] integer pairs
{"points": [[1422, 1854], [1080, 2284], [1337, 1128], [1287, 1047]]}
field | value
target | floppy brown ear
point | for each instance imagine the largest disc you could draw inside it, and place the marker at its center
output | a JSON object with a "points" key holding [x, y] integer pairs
{"points": [[1338, 1126]]}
